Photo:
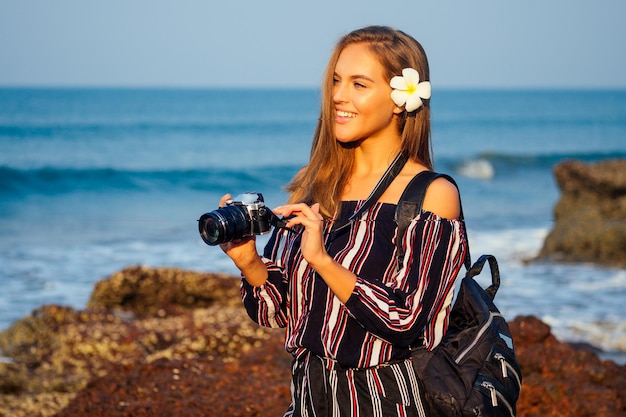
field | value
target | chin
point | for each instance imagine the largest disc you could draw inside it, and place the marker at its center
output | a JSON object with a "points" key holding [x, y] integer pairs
{"points": [[349, 143]]}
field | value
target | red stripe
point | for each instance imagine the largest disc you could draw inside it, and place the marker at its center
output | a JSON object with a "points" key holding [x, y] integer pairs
{"points": [[431, 261]]}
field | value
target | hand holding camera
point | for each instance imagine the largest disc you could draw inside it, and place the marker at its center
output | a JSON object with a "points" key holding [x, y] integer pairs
{"points": [[245, 215]]}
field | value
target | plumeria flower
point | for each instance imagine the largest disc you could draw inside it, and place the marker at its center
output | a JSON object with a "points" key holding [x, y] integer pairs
{"points": [[408, 91]]}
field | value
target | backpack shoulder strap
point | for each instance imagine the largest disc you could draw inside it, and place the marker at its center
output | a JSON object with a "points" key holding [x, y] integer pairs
{"points": [[410, 205]]}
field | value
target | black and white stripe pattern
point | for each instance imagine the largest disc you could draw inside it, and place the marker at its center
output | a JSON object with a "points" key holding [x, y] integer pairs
{"points": [[388, 310], [321, 388]]}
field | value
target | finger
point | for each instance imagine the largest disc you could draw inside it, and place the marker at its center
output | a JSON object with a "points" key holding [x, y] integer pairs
{"points": [[237, 243], [284, 210], [224, 199], [301, 221], [313, 212], [299, 209], [308, 222]]}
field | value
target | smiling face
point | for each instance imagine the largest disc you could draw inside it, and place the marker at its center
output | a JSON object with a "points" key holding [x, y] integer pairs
{"points": [[362, 97]]}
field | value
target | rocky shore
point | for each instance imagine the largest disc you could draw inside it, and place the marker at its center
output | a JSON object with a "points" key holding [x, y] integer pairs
{"points": [[590, 216], [168, 342]]}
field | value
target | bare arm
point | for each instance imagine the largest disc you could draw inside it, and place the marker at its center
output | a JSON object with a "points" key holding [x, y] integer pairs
{"points": [[339, 279], [244, 254]]}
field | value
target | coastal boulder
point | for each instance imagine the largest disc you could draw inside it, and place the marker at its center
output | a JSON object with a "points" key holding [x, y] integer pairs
{"points": [[148, 292], [564, 379], [590, 216], [137, 317]]}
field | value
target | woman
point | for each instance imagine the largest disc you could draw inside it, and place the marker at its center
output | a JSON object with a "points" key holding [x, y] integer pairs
{"points": [[333, 281]]}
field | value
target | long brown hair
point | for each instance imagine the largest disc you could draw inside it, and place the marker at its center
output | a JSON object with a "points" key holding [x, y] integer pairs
{"points": [[330, 164]]}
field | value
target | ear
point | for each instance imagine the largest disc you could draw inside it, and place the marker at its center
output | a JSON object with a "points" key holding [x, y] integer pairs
{"points": [[398, 110]]}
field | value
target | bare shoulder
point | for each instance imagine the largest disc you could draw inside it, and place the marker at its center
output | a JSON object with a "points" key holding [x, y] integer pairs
{"points": [[442, 198]]}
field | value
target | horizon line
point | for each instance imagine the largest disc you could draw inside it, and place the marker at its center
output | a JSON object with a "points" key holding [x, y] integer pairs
{"points": [[291, 87]]}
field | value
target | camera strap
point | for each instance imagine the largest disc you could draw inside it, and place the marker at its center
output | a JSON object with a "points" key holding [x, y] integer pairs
{"points": [[390, 174]]}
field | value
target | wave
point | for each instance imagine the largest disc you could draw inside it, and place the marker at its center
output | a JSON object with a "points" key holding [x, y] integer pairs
{"points": [[489, 164], [549, 159], [58, 180], [69, 131], [53, 181]]}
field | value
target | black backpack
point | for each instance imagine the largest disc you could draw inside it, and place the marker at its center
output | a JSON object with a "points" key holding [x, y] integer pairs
{"points": [[473, 371]]}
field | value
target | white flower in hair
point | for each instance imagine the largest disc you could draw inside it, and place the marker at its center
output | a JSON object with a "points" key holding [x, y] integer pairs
{"points": [[408, 91]]}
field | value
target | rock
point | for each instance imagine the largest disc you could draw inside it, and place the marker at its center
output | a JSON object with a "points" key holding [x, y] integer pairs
{"points": [[561, 379], [58, 350], [149, 292], [148, 359], [255, 385], [590, 215]]}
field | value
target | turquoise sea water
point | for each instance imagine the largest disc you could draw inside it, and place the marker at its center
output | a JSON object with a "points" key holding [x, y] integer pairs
{"points": [[93, 180]]}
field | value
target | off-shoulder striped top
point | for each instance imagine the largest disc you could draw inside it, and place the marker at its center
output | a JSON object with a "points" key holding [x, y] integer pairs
{"points": [[389, 309]]}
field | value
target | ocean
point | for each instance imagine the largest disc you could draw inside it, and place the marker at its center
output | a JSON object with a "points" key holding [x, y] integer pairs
{"points": [[95, 180]]}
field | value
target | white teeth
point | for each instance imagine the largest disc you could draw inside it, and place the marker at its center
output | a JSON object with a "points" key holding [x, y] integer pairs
{"points": [[345, 114]]}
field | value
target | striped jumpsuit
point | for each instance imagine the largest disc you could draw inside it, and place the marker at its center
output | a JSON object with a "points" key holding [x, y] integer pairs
{"points": [[353, 359]]}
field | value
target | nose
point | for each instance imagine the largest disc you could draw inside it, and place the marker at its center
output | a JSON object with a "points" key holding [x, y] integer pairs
{"points": [[339, 92]]}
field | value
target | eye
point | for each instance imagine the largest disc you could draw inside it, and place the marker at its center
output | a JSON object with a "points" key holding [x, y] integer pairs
{"points": [[359, 85]]}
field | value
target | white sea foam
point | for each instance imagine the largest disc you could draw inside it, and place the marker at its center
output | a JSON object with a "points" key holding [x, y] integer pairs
{"points": [[580, 302], [601, 282], [512, 245], [477, 168]]}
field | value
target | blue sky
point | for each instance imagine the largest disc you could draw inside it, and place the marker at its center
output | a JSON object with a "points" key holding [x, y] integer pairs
{"points": [[254, 43]]}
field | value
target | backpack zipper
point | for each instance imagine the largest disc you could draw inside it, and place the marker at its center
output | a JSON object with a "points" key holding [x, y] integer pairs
{"points": [[507, 367], [500, 357], [480, 333], [496, 397]]}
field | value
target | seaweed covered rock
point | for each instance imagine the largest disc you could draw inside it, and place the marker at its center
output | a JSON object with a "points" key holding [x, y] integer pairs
{"points": [[146, 292], [563, 379], [166, 357], [590, 215], [52, 354]]}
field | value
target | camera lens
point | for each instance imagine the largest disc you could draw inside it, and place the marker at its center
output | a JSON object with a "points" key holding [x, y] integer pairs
{"points": [[224, 225]]}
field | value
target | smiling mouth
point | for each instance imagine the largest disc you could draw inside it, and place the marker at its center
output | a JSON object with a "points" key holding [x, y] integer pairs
{"points": [[341, 113]]}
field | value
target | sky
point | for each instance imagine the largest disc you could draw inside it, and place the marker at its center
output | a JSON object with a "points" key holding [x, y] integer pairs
{"points": [[281, 43]]}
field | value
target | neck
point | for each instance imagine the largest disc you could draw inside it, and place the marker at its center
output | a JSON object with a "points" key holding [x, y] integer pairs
{"points": [[374, 159]]}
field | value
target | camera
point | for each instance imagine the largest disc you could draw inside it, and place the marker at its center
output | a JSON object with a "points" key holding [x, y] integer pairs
{"points": [[243, 216]]}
